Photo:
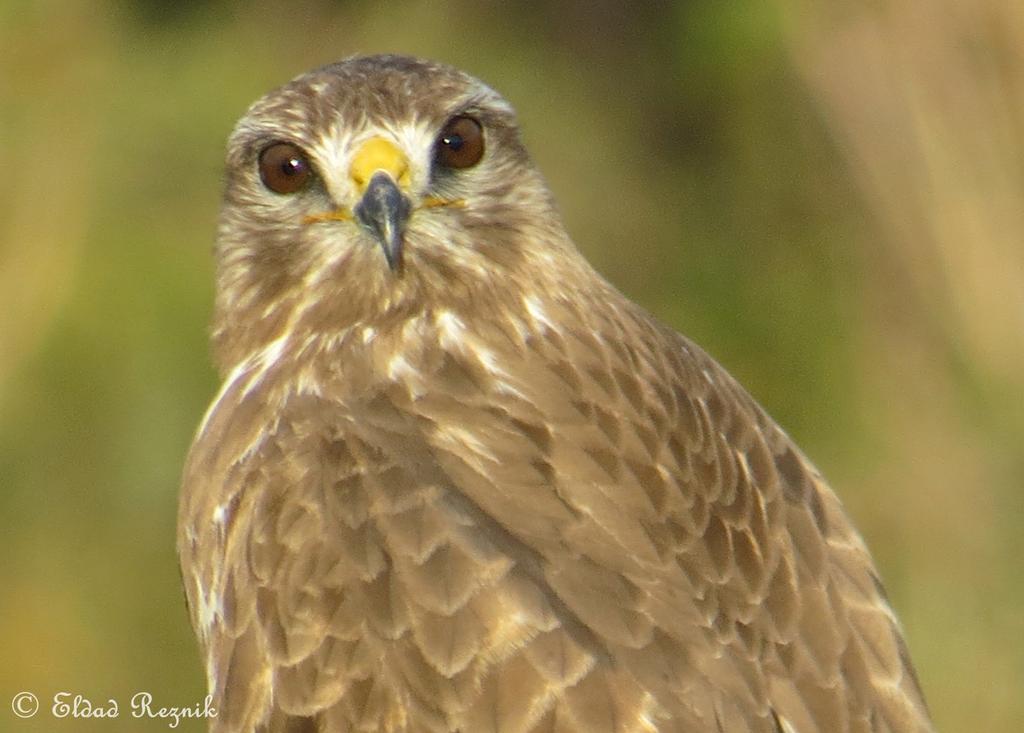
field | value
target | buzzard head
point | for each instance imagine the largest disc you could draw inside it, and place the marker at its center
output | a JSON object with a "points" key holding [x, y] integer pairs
{"points": [[367, 189]]}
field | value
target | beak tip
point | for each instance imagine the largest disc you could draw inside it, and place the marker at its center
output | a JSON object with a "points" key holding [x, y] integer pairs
{"points": [[393, 253]]}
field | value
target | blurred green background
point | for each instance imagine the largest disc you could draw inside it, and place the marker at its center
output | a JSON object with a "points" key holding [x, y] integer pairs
{"points": [[829, 196]]}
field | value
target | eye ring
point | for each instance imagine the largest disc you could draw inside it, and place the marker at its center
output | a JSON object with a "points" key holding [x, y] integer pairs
{"points": [[460, 143], [284, 167]]}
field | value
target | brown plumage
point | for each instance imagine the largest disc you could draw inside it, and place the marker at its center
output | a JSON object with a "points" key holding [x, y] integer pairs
{"points": [[455, 481]]}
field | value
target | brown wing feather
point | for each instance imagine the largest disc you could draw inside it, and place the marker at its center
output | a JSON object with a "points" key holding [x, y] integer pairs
{"points": [[593, 529]]}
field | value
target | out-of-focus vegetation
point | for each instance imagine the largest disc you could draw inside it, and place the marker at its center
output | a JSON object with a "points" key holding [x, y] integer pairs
{"points": [[828, 196]]}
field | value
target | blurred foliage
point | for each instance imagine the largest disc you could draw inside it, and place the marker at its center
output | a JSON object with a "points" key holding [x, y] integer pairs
{"points": [[828, 196]]}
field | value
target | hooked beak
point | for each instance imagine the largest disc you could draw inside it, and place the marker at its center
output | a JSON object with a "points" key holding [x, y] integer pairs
{"points": [[384, 211], [380, 171]]}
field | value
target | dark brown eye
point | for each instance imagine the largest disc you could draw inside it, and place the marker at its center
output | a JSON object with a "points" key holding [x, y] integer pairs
{"points": [[284, 168], [461, 143]]}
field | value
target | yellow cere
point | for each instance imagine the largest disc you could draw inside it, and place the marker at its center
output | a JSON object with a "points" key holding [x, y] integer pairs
{"points": [[378, 154]]}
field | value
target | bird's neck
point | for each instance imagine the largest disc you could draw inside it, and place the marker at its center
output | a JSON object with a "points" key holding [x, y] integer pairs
{"points": [[358, 306]]}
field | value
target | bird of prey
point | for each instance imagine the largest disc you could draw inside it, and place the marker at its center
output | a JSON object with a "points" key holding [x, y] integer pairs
{"points": [[455, 481]]}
